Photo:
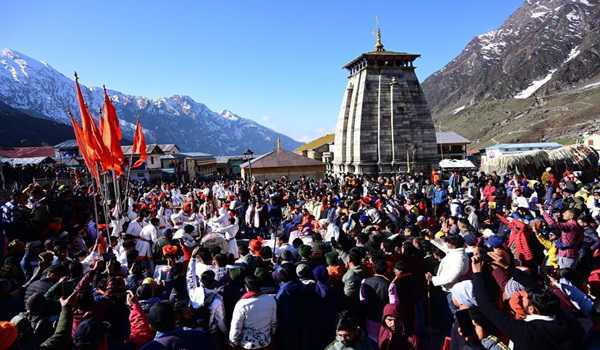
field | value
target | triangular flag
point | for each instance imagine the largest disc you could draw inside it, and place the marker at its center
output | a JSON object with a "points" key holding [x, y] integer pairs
{"points": [[92, 138], [139, 145], [84, 151], [111, 134]]}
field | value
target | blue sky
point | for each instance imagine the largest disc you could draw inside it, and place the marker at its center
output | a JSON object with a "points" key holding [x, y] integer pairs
{"points": [[275, 61]]}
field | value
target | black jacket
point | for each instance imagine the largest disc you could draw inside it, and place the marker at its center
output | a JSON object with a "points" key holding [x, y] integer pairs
{"points": [[40, 286], [375, 291]]}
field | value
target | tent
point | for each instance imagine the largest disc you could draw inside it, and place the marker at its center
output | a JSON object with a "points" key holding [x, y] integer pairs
{"points": [[28, 161], [456, 164], [533, 163]]}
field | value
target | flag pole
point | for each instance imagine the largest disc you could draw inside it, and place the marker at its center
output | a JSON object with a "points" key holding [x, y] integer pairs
{"points": [[117, 189], [105, 203], [95, 203], [128, 174]]}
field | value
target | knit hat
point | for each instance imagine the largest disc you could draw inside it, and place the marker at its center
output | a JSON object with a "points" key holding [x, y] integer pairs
{"points": [[168, 249], [8, 334], [494, 241], [462, 292], [516, 304], [511, 287], [255, 245]]}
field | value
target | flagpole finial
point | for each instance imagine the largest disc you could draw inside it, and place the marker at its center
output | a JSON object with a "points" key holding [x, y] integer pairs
{"points": [[76, 76]]}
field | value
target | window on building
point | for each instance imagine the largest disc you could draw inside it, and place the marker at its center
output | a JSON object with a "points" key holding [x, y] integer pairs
{"points": [[152, 160]]}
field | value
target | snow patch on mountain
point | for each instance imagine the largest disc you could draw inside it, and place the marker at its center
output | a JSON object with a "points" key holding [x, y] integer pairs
{"points": [[539, 14], [535, 85], [459, 109], [592, 85], [229, 115], [574, 53]]}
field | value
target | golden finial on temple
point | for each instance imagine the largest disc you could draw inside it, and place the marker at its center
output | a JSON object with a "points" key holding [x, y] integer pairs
{"points": [[378, 43]]}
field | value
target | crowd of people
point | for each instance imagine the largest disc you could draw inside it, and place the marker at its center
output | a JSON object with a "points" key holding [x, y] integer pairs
{"points": [[475, 261]]}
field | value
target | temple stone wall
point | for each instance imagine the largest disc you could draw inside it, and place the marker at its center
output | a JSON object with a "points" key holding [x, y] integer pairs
{"points": [[365, 141]]}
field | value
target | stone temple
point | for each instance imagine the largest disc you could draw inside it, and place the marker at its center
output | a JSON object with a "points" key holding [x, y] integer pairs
{"points": [[384, 125]]}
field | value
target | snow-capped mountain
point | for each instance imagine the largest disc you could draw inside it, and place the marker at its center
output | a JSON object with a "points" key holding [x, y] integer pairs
{"points": [[544, 47], [37, 88]]}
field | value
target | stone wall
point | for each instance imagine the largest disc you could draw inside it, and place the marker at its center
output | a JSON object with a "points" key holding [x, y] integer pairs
{"points": [[366, 142]]}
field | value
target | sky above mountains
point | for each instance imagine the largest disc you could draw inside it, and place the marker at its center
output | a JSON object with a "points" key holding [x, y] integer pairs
{"points": [[277, 62]]}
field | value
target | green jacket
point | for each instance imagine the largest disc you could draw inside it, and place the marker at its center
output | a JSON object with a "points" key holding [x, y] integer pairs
{"points": [[62, 335], [352, 279]]}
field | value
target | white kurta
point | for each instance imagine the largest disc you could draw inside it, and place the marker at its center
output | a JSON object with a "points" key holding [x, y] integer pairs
{"points": [[148, 233], [230, 232], [134, 228]]}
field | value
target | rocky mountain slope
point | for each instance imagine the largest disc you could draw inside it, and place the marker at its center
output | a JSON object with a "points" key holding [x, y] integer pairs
{"points": [[542, 64], [19, 129], [40, 90]]}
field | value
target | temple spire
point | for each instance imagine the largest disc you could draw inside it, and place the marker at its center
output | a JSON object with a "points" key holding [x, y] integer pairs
{"points": [[378, 43]]}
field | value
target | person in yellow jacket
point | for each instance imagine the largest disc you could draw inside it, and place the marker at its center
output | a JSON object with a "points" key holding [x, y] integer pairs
{"points": [[550, 249]]}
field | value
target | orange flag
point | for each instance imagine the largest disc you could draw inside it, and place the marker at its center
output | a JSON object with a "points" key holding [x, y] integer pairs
{"points": [[92, 139], [91, 165], [139, 145], [111, 134]]}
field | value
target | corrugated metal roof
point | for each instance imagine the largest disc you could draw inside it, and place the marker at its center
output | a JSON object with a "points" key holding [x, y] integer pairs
{"points": [[450, 137], [316, 143], [149, 148], [281, 158], [27, 152], [198, 155], [226, 159], [509, 146]]}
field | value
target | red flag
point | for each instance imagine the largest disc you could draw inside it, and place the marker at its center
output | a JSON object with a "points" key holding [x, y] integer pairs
{"points": [[111, 134], [139, 145], [92, 139], [89, 163]]}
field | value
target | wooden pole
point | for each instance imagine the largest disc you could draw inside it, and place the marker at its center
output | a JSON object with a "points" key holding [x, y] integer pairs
{"points": [[105, 202], [126, 204]]}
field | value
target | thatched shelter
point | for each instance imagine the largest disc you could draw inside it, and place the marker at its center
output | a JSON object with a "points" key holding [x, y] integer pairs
{"points": [[532, 164]]}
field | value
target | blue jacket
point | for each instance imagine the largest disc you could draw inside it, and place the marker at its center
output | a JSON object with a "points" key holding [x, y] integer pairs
{"points": [[440, 196]]}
